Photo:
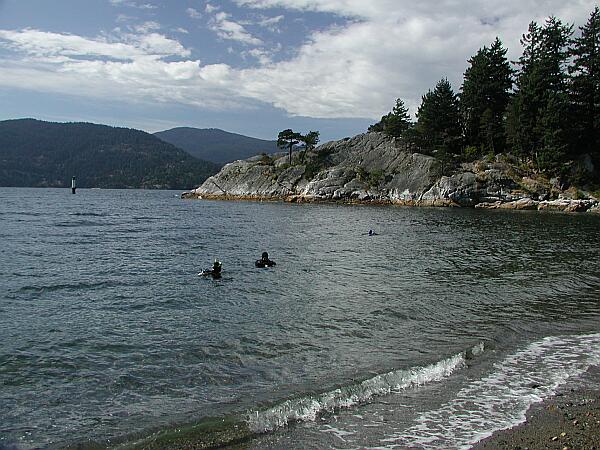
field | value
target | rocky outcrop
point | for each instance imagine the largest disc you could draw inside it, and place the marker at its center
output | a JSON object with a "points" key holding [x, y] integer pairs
{"points": [[562, 204], [373, 167]]}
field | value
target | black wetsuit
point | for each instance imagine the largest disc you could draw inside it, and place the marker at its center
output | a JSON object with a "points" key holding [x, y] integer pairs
{"points": [[264, 263], [215, 272]]}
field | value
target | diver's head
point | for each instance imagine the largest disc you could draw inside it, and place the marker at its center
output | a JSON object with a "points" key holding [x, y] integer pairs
{"points": [[265, 255]]}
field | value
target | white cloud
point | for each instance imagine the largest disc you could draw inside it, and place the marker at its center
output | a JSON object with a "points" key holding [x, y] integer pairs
{"points": [[124, 18], [159, 45], [36, 43], [264, 57], [41, 43], [270, 23], [138, 68], [387, 49], [193, 13], [230, 30], [132, 4], [209, 9], [147, 27]]}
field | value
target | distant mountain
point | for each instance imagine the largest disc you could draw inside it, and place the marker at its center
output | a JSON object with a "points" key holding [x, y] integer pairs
{"points": [[46, 154], [216, 145]]}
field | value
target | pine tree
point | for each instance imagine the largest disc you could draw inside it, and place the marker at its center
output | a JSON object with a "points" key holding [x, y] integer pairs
{"points": [[537, 127], [470, 100], [310, 139], [394, 123], [523, 109], [484, 98], [585, 87], [553, 122], [288, 138], [438, 122]]}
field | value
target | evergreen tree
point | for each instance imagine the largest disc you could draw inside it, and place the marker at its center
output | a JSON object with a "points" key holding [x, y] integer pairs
{"points": [[394, 123], [537, 127], [585, 87], [523, 109], [310, 139], [484, 97], [398, 121], [554, 123], [438, 123], [288, 138]]}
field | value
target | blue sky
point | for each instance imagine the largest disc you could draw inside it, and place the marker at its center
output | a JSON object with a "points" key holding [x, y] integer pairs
{"points": [[253, 67]]}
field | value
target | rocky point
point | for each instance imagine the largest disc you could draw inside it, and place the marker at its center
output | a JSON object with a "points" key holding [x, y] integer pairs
{"points": [[375, 168]]}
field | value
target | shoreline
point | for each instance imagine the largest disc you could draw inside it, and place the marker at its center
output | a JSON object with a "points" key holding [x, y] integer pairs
{"points": [[590, 206], [569, 420]]}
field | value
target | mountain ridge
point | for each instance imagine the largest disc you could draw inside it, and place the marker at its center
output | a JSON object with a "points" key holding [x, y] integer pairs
{"points": [[38, 153], [216, 145]]}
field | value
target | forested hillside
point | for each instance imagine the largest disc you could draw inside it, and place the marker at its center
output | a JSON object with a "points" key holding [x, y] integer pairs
{"points": [[45, 154], [216, 145], [541, 113]]}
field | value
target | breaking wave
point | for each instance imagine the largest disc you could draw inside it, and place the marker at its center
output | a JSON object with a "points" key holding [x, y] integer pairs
{"points": [[308, 408], [501, 399]]}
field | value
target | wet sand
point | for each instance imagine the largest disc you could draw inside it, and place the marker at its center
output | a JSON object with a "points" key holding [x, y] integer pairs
{"points": [[569, 420]]}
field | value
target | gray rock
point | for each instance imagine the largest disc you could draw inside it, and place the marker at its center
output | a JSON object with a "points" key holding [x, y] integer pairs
{"points": [[375, 167], [568, 205]]}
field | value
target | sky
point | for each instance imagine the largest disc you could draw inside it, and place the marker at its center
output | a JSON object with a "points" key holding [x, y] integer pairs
{"points": [[253, 67]]}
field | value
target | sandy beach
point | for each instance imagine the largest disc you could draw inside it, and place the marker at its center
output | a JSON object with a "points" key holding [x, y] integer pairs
{"points": [[569, 420]]}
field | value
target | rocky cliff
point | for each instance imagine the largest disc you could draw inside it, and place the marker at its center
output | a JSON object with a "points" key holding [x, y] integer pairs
{"points": [[373, 167]]}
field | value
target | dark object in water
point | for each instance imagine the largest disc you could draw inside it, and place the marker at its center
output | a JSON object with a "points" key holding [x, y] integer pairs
{"points": [[264, 261], [215, 272]]}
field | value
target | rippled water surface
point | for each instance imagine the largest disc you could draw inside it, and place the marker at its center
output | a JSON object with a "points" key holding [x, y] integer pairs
{"points": [[107, 332]]}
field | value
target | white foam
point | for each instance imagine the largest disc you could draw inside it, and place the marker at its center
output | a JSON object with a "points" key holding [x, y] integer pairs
{"points": [[501, 399], [308, 408]]}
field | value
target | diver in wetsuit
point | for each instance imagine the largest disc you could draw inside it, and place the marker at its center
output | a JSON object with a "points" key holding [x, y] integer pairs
{"points": [[215, 272], [264, 261]]}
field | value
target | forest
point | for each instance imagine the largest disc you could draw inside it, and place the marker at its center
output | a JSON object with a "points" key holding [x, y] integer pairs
{"points": [[541, 112], [45, 154]]}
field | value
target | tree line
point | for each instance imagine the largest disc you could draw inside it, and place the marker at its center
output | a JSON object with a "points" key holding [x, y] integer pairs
{"points": [[544, 110]]}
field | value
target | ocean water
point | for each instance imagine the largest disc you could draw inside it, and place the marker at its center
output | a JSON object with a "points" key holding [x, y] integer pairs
{"points": [[442, 328]]}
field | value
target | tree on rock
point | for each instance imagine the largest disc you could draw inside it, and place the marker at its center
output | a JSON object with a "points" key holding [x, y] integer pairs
{"points": [[394, 123], [484, 98], [310, 139], [585, 87], [438, 123], [537, 124], [287, 139]]}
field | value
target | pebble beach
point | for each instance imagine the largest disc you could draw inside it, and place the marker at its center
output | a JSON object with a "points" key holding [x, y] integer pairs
{"points": [[570, 420]]}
